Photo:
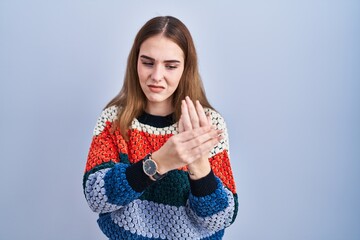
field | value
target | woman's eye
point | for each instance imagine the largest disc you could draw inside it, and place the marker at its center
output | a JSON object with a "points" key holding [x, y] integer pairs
{"points": [[148, 63], [171, 67]]}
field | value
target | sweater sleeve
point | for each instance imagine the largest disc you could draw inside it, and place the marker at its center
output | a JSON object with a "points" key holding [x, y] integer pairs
{"points": [[110, 182], [213, 202]]}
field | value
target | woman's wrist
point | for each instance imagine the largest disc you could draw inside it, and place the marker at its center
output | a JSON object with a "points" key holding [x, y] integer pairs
{"points": [[199, 168], [161, 168], [203, 186]]}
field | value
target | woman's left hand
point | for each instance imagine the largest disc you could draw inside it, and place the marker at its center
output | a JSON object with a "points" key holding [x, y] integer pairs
{"points": [[193, 117]]}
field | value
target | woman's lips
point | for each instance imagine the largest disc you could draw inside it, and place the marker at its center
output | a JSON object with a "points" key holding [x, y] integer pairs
{"points": [[155, 89]]}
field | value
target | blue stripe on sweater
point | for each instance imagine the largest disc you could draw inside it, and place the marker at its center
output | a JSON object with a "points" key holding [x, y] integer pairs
{"points": [[114, 232], [117, 188], [211, 204]]}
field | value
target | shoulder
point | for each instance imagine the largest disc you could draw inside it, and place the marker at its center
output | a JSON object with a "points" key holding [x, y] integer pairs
{"points": [[216, 118], [219, 122], [108, 115]]}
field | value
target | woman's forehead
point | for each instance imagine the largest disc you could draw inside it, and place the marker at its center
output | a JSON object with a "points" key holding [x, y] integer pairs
{"points": [[161, 48]]}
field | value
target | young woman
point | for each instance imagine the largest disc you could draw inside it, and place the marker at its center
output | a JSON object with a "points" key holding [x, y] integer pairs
{"points": [[158, 165]]}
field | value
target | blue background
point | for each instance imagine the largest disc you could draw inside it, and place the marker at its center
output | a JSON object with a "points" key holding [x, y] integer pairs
{"points": [[284, 74]]}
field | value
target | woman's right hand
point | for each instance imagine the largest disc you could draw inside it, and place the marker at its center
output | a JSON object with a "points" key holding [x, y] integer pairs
{"points": [[185, 148]]}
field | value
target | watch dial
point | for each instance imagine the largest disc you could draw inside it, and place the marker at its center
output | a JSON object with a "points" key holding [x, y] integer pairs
{"points": [[149, 167]]}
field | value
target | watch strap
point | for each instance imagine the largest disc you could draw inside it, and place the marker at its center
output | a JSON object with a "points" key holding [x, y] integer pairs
{"points": [[157, 176]]}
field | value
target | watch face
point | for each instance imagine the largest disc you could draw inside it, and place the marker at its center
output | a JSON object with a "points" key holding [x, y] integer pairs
{"points": [[149, 167]]}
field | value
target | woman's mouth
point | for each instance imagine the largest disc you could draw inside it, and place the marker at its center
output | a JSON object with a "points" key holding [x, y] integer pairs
{"points": [[155, 89]]}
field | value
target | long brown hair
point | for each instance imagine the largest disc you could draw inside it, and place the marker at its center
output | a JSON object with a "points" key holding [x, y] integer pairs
{"points": [[131, 100]]}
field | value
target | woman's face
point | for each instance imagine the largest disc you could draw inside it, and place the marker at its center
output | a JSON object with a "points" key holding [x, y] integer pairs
{"points": [[160, 66]]}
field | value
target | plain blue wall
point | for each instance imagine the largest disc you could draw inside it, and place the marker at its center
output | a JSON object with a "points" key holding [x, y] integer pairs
{"points": [[284, 74]]}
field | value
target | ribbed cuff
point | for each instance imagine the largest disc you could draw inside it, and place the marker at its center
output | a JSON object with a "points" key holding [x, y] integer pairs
{"points": [[203, 186], [136, 177]]}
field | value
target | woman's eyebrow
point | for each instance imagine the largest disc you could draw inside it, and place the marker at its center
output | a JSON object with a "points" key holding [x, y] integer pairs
{"points": [[146, 57], [152, 59]]}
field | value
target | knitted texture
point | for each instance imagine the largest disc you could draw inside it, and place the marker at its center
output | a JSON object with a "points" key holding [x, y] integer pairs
{"points": [[131, 206], [210, 204], [117, 187]]}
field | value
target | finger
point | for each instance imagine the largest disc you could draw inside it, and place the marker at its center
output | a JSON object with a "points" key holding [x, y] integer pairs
{"points": [[187, 135], [204, 148], [203, 120], [185, 116], [202, 138], [181, 125], [192, 113]]}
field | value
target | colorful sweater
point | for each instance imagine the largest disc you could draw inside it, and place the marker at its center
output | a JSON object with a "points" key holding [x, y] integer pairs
{"points": [[131, 206]]}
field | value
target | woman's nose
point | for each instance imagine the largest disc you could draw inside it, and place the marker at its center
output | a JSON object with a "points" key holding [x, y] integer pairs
{"points": [[157, 73]]}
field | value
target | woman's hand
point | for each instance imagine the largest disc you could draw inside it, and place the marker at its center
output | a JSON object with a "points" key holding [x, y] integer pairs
{"points": [[192, 145], [193, 117]]}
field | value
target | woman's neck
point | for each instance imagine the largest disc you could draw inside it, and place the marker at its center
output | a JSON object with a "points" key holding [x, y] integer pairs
{"points": [[159, 109]]}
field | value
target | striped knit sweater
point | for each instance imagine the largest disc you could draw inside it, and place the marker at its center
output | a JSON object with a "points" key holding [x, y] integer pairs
{"points": [[131, 206]]}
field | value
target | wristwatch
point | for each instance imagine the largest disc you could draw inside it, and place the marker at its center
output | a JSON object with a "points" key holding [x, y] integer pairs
{"points": [[151, 169]]}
